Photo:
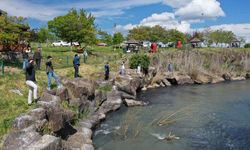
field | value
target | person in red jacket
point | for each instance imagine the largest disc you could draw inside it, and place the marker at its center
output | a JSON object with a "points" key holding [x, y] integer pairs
{"points": [[153, 47]]}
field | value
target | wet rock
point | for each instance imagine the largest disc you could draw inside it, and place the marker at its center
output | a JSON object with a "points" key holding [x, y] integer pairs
{"points": [[126, 95], [128, 84], [217, 79], [38, 113], [202, 78], [81, 87], [132, 103], [46, 142], [238, 78], [226, 77], [88, 147], [21, 139], [247, 75], [113, 102], [86, 124], [22, 122], [165, 82], [63, 93], [183, 79]]}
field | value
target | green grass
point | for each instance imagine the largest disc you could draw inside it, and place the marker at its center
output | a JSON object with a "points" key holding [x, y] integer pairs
{"points": [[12, 105]]}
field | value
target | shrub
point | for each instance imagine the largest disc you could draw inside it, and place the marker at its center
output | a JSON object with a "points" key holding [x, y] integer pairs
{"points": [[247, 45], [139, 59]]}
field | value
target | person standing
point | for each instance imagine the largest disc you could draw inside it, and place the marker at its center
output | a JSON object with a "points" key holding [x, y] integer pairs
{"points": [[25, 58], [76, 63], [38, 57], [122, 71], [106, 68], [31, 81], [85, 56], [50, 73]]}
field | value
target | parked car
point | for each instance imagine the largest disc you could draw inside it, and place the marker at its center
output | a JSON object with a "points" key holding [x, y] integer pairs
{"points": [[102, 44], [146, 44], [161, 45], [60, 43], [75, 44]]}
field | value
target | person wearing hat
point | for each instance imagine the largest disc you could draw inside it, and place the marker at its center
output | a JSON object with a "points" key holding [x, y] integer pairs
{"points": [[31, 81], [50, 73]]}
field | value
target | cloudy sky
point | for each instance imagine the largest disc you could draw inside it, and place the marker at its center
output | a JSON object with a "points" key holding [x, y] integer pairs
{"points": [[183, 15]]}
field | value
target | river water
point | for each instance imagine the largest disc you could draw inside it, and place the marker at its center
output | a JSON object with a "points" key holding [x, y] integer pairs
{"points": [[212, 117]]}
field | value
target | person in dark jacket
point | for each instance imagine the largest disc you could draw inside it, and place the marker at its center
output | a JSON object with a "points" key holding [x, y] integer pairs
{"points": [[38, 57], [31, 81], [106, 68], [76, 63], [50, 73]]}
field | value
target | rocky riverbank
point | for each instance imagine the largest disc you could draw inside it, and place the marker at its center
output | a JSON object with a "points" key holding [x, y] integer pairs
{"points": [[49, 127]]}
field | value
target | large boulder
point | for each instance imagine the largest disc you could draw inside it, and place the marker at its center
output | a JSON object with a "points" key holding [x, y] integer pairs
{"points": [[129, 84], [63, 93], [202, 78], [21, 139], [81, 87], [22, 122], [46, 142], [132, 103], [112, 103], [217, 79], [178, 78], [38, 113], [47, 97], [55, 118]]}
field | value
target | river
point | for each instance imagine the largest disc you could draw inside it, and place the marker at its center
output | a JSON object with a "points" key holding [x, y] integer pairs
{"points": [[212, 117]]}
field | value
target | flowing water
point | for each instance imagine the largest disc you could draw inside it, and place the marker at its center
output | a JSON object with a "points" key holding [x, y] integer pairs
{"points": [[213, 117]]}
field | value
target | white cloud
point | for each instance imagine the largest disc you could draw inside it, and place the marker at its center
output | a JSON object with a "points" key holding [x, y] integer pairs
{"points": [[166, 20], [200, 9], [177, 3], [45, 12]]}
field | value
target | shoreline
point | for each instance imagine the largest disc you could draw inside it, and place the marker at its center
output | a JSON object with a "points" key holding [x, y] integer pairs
{"points": [[86, 95]]}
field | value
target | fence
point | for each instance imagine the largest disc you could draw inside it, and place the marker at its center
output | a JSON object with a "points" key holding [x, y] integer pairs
{"points": [[2, 67]]}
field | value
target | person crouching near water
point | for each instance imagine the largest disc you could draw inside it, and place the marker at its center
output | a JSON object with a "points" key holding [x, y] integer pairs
{"points": [[31, 81], [106, 68], [50, 73], [76, 63]]}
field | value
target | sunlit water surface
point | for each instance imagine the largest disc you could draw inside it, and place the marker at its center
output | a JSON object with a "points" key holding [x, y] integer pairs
{"points": [[213, 117]]}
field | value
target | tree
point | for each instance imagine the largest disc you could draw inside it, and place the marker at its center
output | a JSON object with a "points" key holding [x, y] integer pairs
{"points": [[220, 36], [118, 38], [156, 33], [105, 37], [13, 30], [75, 26]]}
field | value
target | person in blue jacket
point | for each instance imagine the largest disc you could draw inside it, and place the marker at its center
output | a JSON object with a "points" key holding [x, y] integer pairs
{"points": [[76, 63]]}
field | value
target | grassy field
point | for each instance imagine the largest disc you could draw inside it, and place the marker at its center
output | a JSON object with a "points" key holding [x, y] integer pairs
{"points": [[11, 104]]}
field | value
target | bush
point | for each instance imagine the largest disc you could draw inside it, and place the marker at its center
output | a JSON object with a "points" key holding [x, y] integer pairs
{"points": [[139, 59], [247, 45]]}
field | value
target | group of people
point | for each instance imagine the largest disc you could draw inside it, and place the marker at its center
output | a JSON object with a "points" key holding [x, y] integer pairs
{"points": [[30, 73], [37, 57]]}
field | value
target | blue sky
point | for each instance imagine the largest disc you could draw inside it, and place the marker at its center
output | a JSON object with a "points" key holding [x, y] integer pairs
{"points": [[183, 15]]}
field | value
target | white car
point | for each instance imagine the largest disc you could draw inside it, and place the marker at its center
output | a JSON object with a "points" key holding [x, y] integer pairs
{"points": [[60, 43]]}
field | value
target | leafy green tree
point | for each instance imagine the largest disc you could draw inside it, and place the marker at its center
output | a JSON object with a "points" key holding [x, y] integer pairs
{"points": [[105, 37], [118, 38], [13, 30], [220, 36], [156, 33], [75, 26], [140, 59]]}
